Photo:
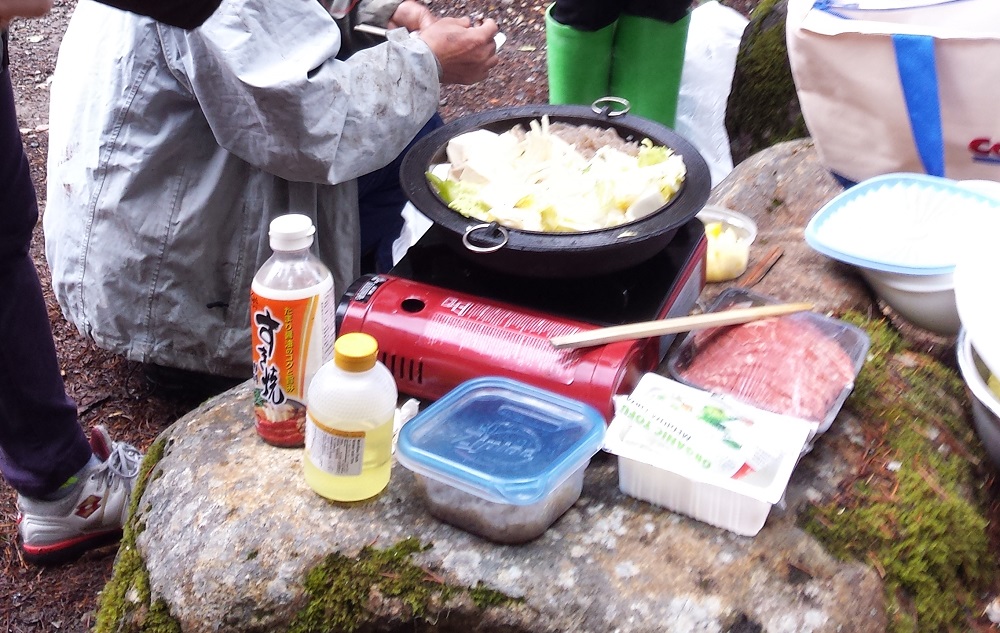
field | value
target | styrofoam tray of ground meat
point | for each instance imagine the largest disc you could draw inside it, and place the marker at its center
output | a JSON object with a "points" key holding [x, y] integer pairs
{"points": [[801, 365], [499, 458]]}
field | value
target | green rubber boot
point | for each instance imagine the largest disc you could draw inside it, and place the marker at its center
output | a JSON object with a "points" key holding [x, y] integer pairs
{"points": [[579, 62], [648, 60]]}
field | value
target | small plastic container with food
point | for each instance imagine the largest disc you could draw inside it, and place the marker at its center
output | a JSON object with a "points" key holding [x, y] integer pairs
{"points": [[801, 365], [499, 458], [729, 234], [708, 456]]}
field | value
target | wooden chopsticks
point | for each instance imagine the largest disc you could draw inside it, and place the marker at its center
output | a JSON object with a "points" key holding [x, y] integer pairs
{"points": [[675, 325]]}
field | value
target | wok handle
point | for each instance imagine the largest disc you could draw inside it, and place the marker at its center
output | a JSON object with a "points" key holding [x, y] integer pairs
{"points": [[675, 325], [499, 229]]}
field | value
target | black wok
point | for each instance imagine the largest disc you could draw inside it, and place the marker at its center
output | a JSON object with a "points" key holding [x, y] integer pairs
{"points": [[556, 255]]}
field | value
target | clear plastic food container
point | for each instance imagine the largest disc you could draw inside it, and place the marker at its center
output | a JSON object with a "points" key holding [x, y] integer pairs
{"points": [[499, 458], [730, 235], [801, 365]]}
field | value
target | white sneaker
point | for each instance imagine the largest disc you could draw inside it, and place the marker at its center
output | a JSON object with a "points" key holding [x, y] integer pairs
{"points": [[60, 530]]}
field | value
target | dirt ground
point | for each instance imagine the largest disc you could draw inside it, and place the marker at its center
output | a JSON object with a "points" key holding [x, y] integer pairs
{"points": [[115, 392]]}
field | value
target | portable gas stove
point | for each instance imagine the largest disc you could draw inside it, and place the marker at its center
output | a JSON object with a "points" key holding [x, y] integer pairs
{"points": [[441, 319]]}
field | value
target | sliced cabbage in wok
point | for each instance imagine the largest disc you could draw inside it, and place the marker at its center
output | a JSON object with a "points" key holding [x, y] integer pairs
{"points": [[535, 180]]}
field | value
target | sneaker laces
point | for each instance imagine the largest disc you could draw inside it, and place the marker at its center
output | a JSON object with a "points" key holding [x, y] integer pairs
{"points": [[124, 460], [117, 458]]}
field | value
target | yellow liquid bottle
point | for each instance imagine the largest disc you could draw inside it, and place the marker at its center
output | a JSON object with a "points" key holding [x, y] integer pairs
{"points": [[348, 438]]}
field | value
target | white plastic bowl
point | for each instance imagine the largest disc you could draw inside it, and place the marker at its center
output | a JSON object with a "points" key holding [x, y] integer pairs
{"points": [[905, 234], [985, 404], [927, 301], [975, 294]]}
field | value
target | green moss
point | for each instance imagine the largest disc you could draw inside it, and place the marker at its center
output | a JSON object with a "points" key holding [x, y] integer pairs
{"points": [[338, 589], [124, 604], [484, 597], [921, 525]]}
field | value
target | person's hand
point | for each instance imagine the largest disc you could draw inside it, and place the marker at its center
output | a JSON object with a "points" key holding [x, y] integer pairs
{"points": [[22, 9], [412, 16], [466, 53]]}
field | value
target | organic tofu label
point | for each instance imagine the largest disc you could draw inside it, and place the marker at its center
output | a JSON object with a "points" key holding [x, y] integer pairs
{"points": [[706, 437]]}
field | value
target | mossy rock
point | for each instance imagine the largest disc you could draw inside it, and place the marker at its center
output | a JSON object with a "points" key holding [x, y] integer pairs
{"points": [[339, 593], [763, 108], [916, 507], [125, 603]]}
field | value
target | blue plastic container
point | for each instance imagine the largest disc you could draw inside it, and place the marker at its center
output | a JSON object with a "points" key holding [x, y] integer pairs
{"points": [[499, 458]]}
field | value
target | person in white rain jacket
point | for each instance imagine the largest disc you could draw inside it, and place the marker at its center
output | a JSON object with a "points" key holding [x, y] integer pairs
{"points": [[170, 151]]}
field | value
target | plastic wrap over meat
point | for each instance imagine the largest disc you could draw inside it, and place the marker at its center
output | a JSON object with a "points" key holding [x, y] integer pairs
{"points": [[802, 365]]}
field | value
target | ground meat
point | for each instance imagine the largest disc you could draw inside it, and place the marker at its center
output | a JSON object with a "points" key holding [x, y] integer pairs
{"points": [[587, 138], [786, 365]]}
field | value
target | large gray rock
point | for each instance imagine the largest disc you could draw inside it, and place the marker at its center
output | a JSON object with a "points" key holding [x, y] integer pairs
{"points": [[229, 529]]}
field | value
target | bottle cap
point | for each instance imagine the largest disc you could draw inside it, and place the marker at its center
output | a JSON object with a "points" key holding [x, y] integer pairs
{"points": [[355, 351], [291, 232]]}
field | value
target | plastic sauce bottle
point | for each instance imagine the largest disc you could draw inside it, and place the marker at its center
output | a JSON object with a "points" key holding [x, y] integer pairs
{"points": [[293, 328], [352, 402]]}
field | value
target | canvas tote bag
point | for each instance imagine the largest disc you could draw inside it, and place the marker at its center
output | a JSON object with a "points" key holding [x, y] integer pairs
{"points": [[899, 85]]}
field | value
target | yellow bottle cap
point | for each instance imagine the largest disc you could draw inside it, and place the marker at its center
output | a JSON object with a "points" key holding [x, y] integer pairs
{"points": [[355, 351]]}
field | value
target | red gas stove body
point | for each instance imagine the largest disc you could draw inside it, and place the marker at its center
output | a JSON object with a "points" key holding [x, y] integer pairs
{"points": [[433, 339], [439, 322]]}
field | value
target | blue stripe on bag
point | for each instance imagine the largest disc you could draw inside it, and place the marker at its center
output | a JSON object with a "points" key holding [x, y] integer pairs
{"points": [[918, 76]]}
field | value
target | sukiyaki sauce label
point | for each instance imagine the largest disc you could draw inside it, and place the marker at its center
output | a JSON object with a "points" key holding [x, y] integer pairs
{"points": [[291, 339]]}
